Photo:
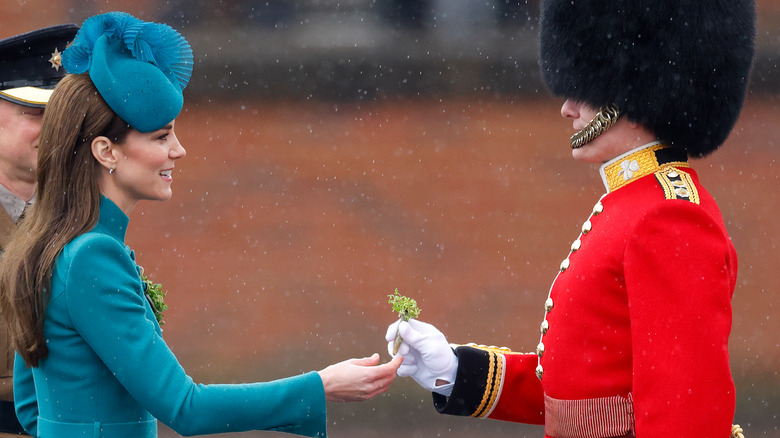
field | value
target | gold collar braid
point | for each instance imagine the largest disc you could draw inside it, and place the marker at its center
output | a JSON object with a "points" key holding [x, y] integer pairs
{"points": [[639, 162]]}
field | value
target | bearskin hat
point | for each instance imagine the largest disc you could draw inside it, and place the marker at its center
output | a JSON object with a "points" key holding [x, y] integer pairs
{"points": [[678, 67]]}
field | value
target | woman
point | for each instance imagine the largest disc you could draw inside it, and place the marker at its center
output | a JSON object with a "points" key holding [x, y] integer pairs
{"points": [[90, 357], [634, 335]]}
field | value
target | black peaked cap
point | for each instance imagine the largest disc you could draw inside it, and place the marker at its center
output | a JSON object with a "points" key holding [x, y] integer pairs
{"points": [[30, 60]]}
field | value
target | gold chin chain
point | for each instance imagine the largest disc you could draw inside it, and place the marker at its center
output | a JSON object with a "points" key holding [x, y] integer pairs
{"points": [[605, 118]]}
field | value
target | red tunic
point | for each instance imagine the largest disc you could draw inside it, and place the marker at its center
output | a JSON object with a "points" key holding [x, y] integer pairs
{"points": [[636, 325]]}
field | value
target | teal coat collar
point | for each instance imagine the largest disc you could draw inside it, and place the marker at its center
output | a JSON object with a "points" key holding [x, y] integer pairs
{"points": [[113, 221]]}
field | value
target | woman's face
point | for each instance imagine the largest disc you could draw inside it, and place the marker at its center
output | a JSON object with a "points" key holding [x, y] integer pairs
{"points": [[144, 167], [602, 148]]}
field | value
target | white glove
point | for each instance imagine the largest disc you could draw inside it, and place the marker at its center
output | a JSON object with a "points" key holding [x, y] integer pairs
{"points": [[427, 355]]}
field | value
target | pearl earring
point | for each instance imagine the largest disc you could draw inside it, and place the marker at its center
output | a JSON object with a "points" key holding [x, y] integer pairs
{"points": [[111, 170]]}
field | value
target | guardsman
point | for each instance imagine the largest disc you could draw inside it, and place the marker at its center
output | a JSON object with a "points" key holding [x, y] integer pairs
{"points": [[634, 331], [30, 67]]}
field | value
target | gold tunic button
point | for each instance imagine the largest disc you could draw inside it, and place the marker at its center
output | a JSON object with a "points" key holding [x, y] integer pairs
{"points": [[539, 372], [681, 191], [586, 227], [548, 305], [672, 174], [544, 327], [598, 208], [540, 349], [564, 265], [575, 246]]}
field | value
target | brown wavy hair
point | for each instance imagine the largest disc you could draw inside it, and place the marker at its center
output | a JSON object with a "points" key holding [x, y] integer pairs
{"points": [[67, 205]]}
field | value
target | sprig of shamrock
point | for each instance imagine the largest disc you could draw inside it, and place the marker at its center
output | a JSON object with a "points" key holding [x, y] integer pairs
{"points": [[407, 308], [156, 296]]}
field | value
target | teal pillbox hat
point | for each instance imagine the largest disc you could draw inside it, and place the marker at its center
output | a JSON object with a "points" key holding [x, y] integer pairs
{"points": [[139, 68]]}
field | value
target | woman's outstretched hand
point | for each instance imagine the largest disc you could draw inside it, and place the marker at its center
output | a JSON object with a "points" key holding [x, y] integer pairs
{"points": [[358, 379]]}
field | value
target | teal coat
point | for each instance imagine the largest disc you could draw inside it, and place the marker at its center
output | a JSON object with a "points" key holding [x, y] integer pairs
{"points": [[109, 373]]}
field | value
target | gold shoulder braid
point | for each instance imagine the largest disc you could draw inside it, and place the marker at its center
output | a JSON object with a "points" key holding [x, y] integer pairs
{"points": [[677, 184], [736, 431]]}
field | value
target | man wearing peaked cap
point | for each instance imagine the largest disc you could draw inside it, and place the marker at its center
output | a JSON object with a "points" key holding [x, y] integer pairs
{"points": [[30, 67], [634, 332]]}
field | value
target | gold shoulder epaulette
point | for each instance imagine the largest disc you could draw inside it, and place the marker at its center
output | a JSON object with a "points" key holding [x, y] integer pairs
{"points": [[677, 184]]}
